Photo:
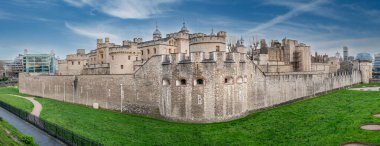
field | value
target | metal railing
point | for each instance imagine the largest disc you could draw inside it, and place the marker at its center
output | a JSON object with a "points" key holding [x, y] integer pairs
{"points": [[52, 129]]}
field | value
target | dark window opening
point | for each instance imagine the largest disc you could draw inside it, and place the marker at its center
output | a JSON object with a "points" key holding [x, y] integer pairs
{"points": [[200, 82], [122, 66], [183, 82]]}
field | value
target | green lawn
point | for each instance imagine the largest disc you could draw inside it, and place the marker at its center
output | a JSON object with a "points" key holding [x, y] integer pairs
{"points": [[10, 136], [330, 119], [17, 102]]}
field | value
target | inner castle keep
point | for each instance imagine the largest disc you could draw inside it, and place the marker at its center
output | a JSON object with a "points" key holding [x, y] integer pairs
{"points": [[192, 77]]}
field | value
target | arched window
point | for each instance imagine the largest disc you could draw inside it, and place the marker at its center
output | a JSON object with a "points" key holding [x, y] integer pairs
{"points": [[181, 82], [228, 80], [217, 48], [142, 52], [154, 50], [129, 57], [112, 57], [122, 66], [148, 51], [199, 82]]}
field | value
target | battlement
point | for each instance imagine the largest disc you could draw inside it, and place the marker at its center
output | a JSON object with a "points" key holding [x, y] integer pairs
{"points": [[76, 57], [202, 57], [178, 35], [130, 43], [207, 39], [126, 50], [62, 61]]}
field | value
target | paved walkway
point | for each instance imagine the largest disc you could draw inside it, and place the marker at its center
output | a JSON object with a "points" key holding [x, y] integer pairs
{"points": [[37, 106]]}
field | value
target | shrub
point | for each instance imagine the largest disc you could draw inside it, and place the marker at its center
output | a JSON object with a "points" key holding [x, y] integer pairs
{"points": [[27, 139], [1, 119]]}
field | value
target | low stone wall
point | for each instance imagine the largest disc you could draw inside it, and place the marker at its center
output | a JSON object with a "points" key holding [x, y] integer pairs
{"points": [[374, 80], [7, 84]]}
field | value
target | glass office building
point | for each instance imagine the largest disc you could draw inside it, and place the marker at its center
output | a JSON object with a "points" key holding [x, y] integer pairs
{"points": [[376, 66], [364, 57], [40, 63]]}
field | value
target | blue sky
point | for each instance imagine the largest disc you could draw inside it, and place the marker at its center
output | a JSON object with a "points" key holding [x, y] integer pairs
{"points": [[64, 25]]}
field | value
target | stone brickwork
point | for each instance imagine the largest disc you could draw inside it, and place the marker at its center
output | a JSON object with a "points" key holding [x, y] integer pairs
{"points": [[199, 88]]}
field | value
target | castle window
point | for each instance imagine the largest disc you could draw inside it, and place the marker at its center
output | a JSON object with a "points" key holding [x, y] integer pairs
{"points": [[129, 57], [112, 57], [218, 48], [228, 80], [181, 82], [72, 63], [122, 66], [101, 56], [165, 82], [136, 58], [154, 50], [148, 51], [78, 62], [142, 52], [170, 50], [199, 82]]}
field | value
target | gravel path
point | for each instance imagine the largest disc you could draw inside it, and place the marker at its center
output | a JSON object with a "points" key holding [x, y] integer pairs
{"points": [[37, 106], [373, 127]]}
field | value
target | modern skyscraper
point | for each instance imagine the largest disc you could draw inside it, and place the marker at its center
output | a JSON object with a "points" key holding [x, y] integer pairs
{"points": [[345, 53]]}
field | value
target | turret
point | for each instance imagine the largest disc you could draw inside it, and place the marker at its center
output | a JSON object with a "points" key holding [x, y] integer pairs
{"points": [[184, 28], [107, 40], [156, 34], [99, 41]]}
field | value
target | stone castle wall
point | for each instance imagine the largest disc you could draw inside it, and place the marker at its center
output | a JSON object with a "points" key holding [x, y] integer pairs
{"points": [[201, 88]]}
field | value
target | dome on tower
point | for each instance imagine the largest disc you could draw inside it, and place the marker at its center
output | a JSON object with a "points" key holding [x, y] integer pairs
{"points": [[157, 32], [184, 28]]}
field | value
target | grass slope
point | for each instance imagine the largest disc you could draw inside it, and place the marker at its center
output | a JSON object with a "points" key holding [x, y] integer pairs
{"points": [[10, 136], [330, 119], [17, 102]]}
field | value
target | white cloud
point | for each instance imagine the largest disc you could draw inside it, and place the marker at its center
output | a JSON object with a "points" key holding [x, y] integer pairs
{"points": [[126, 9], [319, 10], [292, 13], [92, 32]]}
